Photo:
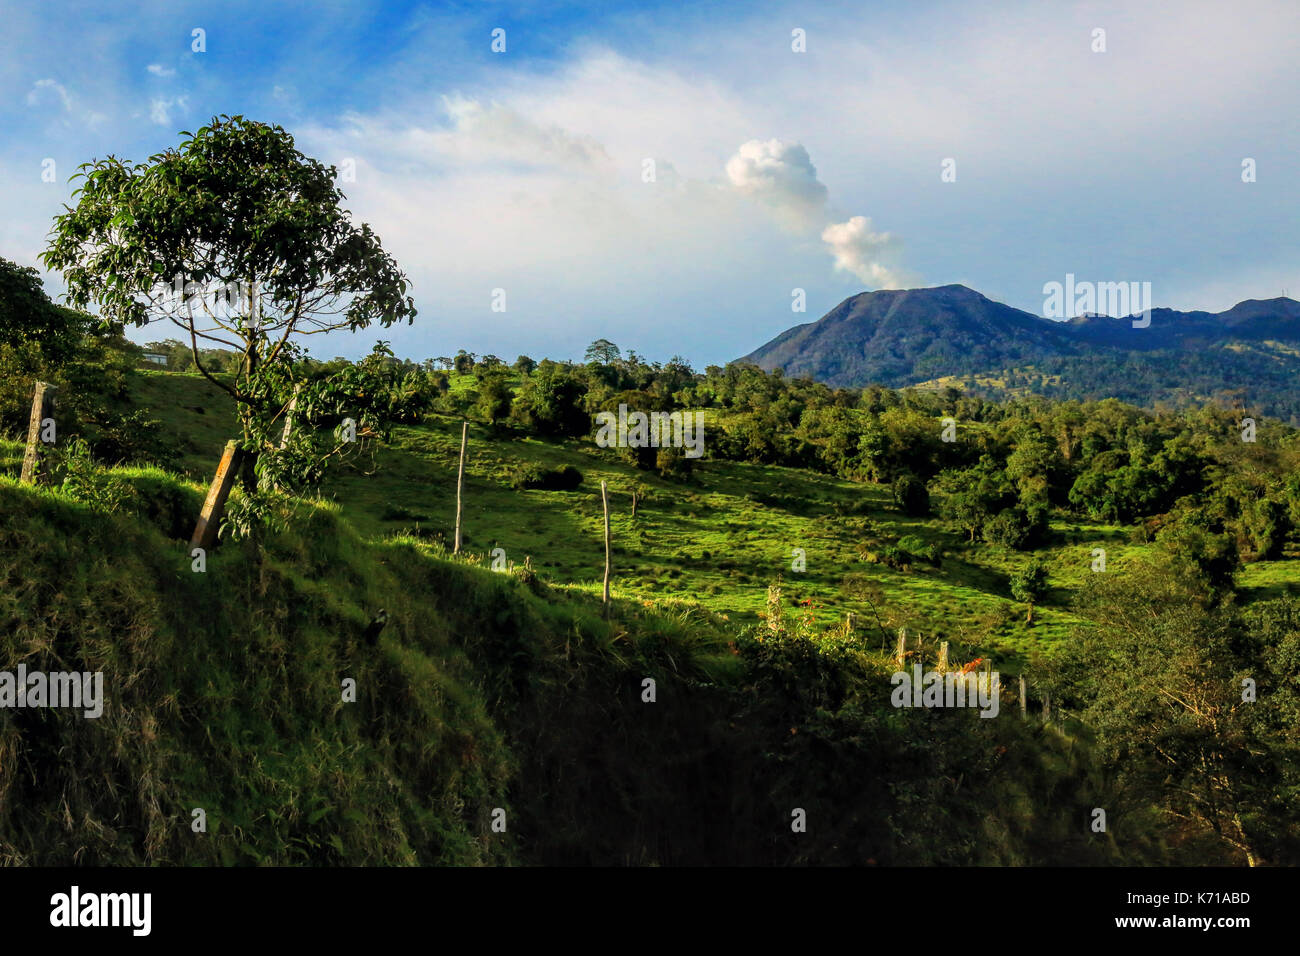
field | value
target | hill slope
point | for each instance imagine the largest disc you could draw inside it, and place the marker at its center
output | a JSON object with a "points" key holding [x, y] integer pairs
{"points": [[485, 694]]}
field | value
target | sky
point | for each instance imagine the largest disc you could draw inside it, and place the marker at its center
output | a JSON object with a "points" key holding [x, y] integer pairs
{"points": [[679, 182]]}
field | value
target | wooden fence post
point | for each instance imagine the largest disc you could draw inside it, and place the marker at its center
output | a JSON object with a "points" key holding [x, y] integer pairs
{"points": [[460, 481], [42, 410], [943, 657], [1024, 709], [1047, 707], [604, 499], [902, 646], [205, 532]]}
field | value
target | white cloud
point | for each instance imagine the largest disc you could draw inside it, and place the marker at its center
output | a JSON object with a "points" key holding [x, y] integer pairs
{"points": [[496, 132], [471, 135], [38, 94], [526, 174], [782, 176], [160, 108], [157, 69], [864, 253]]}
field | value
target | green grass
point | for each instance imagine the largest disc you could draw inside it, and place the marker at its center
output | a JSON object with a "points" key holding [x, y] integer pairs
{"points": [[224, 687], [485, 691], [710, 542], [514, 691]]}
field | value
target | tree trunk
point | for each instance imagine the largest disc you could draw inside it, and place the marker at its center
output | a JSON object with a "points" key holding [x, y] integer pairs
{"points": [[248, 464]]}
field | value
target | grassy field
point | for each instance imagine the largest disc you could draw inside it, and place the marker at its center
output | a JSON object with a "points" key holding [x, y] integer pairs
{"points": [[489, 691], [718, 541]]}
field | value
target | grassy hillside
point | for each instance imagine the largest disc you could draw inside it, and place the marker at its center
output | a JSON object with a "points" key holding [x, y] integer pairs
{"points": [[516, 691], [484, 691], [717, 541]]}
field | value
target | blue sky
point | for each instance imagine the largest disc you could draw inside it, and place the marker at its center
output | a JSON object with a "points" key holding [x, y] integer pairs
{"points": [[774, 170]]}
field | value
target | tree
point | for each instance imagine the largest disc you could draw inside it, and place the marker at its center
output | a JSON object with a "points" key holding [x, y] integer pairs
{"points": [[973, 496], [494, 398], [1157, 676], [524, 365], [464, 362], [1029, 586], [1037, 468], [911, 497], [1203, 558], [550, 403], [28, 317], [1266, 524], [602, 352], [239, 240]]}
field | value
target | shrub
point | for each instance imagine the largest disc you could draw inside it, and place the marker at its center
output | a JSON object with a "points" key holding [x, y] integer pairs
{"points": [[911, 496], [1019, 527], [919, 550], [82, 480], [890, 555], [400, 513], [1029, 586], [532, 475], [673, 465]]}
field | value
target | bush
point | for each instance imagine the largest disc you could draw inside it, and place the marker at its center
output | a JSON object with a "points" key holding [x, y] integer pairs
{"points": [[1029, 585], [400, 513], [1019, 528], [673, 465], [891, 556], [911, 496], [919, 550], [82, 480], [532, 475]]}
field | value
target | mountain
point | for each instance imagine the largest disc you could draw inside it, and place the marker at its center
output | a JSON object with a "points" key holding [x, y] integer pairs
{"points": [[952, 335]]}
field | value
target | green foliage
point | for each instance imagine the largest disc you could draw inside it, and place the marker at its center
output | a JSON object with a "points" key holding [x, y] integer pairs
{"points": [[236, 210], [234, 202], [1266, 524], [532, 475], [29, 318], [338, 413], [77, 475], [602, 352], [494, 397], [911, 496], [921, 550], [797, 713], [1159, 679], [1204, 560], [1029, 585], [550, 403]]}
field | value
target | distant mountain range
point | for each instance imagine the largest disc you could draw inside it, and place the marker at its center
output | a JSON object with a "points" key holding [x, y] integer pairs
{"points": [[1248, 356]]}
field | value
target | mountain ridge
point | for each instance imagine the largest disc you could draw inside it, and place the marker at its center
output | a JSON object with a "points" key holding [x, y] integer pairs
{"points": [[907, 337]]}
